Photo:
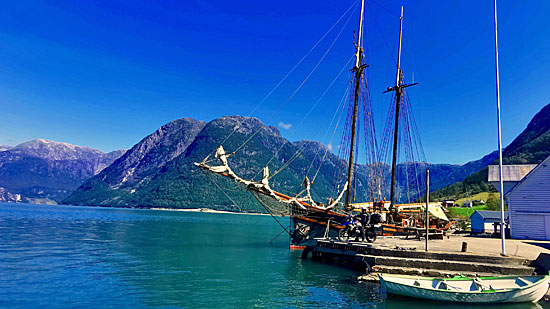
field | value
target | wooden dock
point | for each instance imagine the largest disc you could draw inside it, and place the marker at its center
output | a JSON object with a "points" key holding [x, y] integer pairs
{"points": [[377, 258]]}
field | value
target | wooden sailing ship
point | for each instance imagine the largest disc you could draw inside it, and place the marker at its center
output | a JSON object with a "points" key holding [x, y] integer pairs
{"points": [[311, 219]]}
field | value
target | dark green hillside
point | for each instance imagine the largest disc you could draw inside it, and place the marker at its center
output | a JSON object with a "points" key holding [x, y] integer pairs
{"points": [[532, 146], [181, 184], [115, 184]]}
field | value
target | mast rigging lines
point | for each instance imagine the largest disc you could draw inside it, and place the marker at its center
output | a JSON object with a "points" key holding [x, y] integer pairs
{"points": [[406, 140]]}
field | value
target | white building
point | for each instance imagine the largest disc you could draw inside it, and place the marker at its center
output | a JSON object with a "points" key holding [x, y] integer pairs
{"points": [[529, 204]]}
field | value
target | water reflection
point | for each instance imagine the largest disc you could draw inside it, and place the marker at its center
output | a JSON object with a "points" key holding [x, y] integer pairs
{"points": [[76, 256]]}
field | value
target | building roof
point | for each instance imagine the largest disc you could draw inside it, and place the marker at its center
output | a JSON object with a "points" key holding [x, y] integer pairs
{"points": [[488, 214], [510, 172], [544, 162]]}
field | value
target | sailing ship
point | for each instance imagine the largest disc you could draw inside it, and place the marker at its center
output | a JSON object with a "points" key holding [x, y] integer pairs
{"points": [[310, 218]]}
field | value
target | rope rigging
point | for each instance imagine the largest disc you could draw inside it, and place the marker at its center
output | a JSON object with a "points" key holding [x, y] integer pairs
{"points": [[410, 150], [268, 95], [366, 180], [307, 114], [299, 87]]}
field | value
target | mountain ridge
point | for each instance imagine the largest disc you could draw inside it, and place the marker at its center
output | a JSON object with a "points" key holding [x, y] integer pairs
{"points": [[46, 171], [531, 146], [177, 183]]}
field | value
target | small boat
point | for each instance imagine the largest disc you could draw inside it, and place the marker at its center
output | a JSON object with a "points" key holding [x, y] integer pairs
{"points": [[468, 290]]}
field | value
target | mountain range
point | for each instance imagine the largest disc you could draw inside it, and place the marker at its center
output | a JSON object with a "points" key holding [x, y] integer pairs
{"points": [[159, 170], [531, 146], [43, 171]]}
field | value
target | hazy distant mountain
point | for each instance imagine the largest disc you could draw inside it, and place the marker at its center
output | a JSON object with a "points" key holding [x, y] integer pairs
{"points": [[159, 170], [47, 171], [440, 174], [532, 146]]}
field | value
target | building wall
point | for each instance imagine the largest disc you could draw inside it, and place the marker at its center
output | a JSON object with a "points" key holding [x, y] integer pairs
{"points": [[529, 205], [476, 222], [507, 185], [481, 225], [489, 226]]}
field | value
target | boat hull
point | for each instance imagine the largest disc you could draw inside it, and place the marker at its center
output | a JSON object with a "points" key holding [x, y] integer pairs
{"points": [[316, 228], [529, 293]]}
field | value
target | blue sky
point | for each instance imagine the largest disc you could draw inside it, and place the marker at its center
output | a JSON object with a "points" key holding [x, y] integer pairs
{"points": [[107, 73]]}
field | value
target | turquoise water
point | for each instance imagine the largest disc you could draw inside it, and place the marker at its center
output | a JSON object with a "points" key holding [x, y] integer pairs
{"points": [[68, 256]]}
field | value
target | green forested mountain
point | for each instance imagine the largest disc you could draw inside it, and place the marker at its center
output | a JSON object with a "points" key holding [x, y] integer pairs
{"points": [[159, 170], [177, 183], [532, 146]]}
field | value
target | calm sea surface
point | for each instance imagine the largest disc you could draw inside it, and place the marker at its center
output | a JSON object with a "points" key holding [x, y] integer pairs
{"points": [[68, 256]]}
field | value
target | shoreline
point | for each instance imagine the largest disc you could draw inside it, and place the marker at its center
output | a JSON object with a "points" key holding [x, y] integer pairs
{"points": [[203, 210], [207, 210]]}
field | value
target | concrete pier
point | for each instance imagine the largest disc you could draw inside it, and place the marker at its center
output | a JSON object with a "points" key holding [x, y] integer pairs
{"points": [[402, 256]]}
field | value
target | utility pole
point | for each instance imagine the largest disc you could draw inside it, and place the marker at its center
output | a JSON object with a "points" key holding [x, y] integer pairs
{"points": [[502, 221], [427, 207]]}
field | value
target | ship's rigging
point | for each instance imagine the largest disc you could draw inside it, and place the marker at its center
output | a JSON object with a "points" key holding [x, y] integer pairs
{"points": [[370, 181]]}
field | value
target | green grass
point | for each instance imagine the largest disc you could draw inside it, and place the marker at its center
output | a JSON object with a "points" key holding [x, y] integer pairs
{"points": [[464, 212], [480, 196]]}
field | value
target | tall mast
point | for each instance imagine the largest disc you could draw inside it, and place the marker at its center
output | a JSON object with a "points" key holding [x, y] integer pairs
{"points": [[358, 69], [398, 88], [359, 50], [397, 109]]}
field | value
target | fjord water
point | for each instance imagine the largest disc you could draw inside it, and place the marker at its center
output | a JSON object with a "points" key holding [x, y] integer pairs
{"points": [[68, 256]]}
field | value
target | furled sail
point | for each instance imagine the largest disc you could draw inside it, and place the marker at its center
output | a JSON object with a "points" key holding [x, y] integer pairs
{"points": [[262, 187]]}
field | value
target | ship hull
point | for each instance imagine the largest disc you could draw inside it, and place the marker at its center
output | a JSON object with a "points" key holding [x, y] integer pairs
{"points": [[305, 228]]}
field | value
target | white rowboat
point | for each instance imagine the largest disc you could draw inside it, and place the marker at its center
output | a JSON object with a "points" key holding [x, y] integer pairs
{"points": [[469, 290]]}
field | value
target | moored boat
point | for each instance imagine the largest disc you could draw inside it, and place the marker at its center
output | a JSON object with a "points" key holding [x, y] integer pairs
{"points": [[322, 214], [468, 290]]}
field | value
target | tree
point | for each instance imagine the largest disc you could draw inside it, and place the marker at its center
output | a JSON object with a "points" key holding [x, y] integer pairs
{"points": [[493, 202]]}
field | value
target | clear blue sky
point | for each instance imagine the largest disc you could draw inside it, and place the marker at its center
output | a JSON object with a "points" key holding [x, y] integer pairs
{"points": [[107, 73]]}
